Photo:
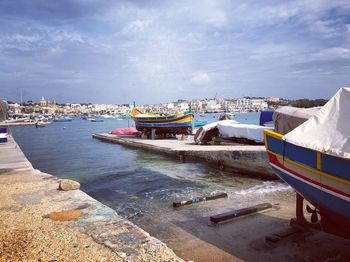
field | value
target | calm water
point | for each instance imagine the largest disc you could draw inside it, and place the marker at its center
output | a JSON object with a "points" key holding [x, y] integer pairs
{"points": [[136, 183]]}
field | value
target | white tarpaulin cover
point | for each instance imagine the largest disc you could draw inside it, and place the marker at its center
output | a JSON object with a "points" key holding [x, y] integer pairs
{"points": [[328, 131], [202, 137], [230, 129], [207, 132]]}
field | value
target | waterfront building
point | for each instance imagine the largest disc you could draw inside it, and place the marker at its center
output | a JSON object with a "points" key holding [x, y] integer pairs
{"points": [[43, 102]]}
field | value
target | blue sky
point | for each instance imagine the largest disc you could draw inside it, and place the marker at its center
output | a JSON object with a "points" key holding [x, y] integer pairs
{"points": [[157, 51]]}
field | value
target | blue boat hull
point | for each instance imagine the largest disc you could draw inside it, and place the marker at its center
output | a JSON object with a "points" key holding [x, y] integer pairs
{"points": [[321, 179], [329, 201]]}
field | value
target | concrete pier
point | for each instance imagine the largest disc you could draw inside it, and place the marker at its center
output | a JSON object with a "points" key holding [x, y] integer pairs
{"points": [[242, 159], [9, 124], [96, 233]]}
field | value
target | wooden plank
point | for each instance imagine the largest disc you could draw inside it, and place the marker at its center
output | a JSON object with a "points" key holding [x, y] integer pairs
{"points": [[239, 212], [199, 199]]}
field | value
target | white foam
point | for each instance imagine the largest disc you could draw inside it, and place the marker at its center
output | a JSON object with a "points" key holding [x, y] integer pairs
{"points": [[265, 187]]}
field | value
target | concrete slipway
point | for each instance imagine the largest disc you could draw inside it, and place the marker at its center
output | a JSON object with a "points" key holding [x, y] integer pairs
{"points": [[189, 233], [241, 159]]}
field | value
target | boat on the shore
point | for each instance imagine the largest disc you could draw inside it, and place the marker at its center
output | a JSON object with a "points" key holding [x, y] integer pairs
{"points": [[179, 123], [314, 158]]}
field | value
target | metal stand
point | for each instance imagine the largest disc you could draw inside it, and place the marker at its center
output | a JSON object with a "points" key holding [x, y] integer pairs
{"points": [[322, 220]]}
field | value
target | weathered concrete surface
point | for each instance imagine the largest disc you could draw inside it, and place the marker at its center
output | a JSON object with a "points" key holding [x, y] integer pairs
{"points": [[28, 197], [247, 159]]}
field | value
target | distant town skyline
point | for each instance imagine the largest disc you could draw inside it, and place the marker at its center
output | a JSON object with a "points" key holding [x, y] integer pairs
{"points": [[116, 52]]}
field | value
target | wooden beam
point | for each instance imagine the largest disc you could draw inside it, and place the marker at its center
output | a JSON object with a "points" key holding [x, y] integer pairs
{"points": [[199, 199], [239, 212]]}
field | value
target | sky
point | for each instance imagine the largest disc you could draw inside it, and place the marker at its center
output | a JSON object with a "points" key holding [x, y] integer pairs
{"points": [[155, 51]]}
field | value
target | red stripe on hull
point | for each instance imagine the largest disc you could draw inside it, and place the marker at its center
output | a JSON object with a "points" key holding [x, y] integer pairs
{"points": [[162, 121], [273, 159]]}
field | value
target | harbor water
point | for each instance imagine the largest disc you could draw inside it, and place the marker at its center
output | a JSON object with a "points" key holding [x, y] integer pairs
{"points": [[138, 184]]}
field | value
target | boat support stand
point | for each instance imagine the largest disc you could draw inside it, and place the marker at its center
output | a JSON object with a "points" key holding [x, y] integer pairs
{"points": [[322, 220]]}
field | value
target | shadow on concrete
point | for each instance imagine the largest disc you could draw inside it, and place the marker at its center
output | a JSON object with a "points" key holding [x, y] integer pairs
{"points": [[244, 238]]}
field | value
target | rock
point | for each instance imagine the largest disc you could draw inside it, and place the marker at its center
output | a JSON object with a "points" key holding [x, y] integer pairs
{"points": [[67, 184]]}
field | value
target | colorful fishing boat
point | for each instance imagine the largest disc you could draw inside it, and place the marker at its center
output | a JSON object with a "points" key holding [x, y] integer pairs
{"points": [[314, 159], [179, 123]]}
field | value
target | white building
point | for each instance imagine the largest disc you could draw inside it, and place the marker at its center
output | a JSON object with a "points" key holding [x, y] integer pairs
{"points": [[212, 105]]}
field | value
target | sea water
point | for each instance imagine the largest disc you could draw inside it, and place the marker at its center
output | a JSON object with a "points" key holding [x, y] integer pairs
{"points": [[138, 184]]}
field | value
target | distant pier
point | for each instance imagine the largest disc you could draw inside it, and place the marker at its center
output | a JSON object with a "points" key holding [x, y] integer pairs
{"points": [[241, 159], [8, 124]]}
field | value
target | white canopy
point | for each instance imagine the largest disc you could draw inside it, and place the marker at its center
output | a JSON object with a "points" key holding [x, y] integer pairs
{"points": [[233, 129], [328, 131]]}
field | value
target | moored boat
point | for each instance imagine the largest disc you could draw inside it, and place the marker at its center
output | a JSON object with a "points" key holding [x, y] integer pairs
{"points": [[179, 123], [199, 123], [63, 119], [314, 159], [42, 123], [96, 120]]}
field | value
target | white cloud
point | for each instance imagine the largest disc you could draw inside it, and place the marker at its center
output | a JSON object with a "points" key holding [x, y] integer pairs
{"points": [[332, 53], [173, 47], [217, 18], [200, 79], [40, 38], [347, 33], [136, 26], [326, 28]]}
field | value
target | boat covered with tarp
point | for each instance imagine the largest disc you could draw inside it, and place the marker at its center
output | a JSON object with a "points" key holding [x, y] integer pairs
{"points": [[244, 133], [286, 118], [314, 158], [232, 131], [179, 123]]}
